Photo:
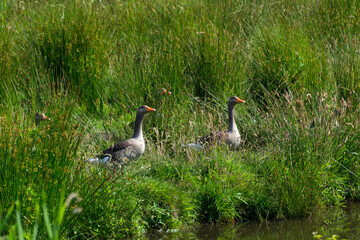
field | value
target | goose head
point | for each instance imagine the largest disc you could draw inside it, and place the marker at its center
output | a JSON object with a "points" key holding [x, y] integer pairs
{"points": [[40, 117], [234, 100], [163, 91], [145, 109]]}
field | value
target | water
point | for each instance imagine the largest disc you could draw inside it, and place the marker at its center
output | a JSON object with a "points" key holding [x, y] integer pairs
{"points": [[341, 221]]}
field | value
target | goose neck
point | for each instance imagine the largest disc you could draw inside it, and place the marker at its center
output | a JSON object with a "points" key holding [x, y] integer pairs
{"points": [[138, 126], [232, 124]]}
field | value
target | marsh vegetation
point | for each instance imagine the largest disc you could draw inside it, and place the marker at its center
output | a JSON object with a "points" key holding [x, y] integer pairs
{"points": [[89, 65]]}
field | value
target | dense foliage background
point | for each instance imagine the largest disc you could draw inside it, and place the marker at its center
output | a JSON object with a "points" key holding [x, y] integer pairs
{"points": [[89, 65]]}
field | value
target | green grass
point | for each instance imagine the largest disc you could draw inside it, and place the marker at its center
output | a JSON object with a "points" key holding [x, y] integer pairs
{"points": [[89, 65]]}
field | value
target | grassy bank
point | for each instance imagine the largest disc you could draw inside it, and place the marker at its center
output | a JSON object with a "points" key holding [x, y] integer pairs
{"points": [[90, 64]]}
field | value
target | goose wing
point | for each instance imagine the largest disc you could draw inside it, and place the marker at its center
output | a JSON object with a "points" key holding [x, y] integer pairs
{"points": [[117, 147]]}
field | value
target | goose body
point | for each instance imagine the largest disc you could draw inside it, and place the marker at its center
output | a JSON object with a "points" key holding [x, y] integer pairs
{"points": [[231, 137], [125, 151], [131, 149]]}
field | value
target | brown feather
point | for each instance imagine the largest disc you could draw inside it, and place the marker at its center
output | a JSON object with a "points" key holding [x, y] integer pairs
{"points": [[116, 147]]}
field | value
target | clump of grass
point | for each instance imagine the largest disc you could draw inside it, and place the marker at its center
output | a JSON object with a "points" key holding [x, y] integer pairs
{"points": [[70, 40], [300, 157], [283, 61], [17, 230], [41, 157]]}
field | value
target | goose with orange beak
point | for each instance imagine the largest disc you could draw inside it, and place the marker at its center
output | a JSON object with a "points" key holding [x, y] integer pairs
{"points": [[40, 117], [123, 152], [231, 137]]}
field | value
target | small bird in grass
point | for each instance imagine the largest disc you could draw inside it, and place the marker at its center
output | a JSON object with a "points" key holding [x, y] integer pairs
{"points": [[40, 117], [123, 152], [231, 137]]}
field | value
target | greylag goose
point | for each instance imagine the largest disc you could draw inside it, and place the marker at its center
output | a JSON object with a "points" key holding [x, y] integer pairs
{"points": [[122, 152], [231, 137], [40, 117], [160, 98]]}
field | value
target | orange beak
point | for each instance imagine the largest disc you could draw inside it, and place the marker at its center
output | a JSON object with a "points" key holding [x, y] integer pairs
{"points": [[163, 91], [238, 100], [43, 117], [149, 109]]}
